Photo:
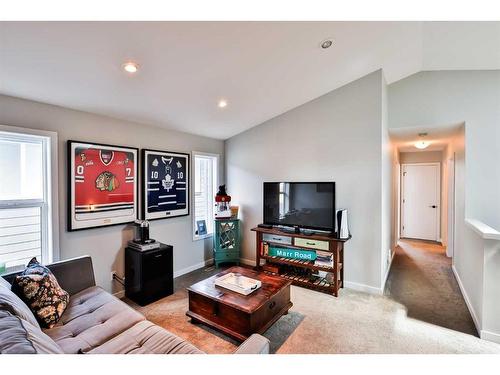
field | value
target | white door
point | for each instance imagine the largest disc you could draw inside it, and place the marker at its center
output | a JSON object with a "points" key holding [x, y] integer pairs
{"points": [[420, 201]]}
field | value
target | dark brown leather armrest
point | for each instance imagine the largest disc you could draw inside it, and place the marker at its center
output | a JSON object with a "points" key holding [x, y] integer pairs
{"points": [[73, 275]]}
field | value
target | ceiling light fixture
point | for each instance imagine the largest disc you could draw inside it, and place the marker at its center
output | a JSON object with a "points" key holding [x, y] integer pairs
{"points": [[422, 144], [327, 43], [222, 103], [130, 67]]}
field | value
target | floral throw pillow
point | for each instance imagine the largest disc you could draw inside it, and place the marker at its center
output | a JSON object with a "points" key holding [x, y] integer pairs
{"points": [[39, 289]]}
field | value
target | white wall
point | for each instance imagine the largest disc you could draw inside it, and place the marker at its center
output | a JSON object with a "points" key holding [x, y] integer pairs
{"points": [[490, 326], [337, 137], [443, 98], [105, 245], [468, 248], [435, 99], [446, 154], [387, 189], [483, 243], [396, 197], [421, 157]]}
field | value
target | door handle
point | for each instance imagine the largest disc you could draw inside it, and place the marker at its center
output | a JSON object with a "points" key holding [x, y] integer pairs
{"points": [[433, 206]]}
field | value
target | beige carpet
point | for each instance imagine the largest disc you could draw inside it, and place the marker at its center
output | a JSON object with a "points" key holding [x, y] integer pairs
{"points": [[353, 323]]}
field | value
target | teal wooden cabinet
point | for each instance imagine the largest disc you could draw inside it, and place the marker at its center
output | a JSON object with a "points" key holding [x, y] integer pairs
{"points": [[227, 241]]}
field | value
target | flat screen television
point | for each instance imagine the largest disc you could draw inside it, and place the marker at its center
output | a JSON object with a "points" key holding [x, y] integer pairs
{"points": [[308, 205]]}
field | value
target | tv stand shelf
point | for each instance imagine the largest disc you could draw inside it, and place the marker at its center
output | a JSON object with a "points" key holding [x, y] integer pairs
{"points": [[298, 263], [328, 243]]}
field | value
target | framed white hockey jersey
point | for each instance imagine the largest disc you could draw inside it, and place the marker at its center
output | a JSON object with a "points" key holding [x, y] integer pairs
{"points": [[102, 185], [165, 184]]}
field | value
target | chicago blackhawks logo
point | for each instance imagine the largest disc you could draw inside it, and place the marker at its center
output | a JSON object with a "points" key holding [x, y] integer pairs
{"points": [[106, 181]]}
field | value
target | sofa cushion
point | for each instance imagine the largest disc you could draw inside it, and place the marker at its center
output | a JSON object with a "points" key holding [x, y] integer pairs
{"points": [[92, 317], [18, 307], [38, 287], [4, 283], [146, 338], [18, 336]]}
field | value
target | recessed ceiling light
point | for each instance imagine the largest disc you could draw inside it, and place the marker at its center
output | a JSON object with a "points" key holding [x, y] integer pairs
{"points": [[222, 103], [130, 67], [327, 43]]}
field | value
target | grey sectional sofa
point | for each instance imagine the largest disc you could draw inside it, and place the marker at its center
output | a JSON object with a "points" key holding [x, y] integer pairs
{"points": [[94, 322]]}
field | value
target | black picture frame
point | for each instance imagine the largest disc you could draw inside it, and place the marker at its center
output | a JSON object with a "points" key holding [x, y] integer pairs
{"points": [[201, 227], [107, 213], [152, 200]]}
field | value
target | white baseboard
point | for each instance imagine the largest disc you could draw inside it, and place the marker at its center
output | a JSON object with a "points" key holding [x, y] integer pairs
{"points": [[362, 287], [490, 336], [467, 301], [387, 271], [120, 294], [368, 288], [248, 262], [193, 267]]}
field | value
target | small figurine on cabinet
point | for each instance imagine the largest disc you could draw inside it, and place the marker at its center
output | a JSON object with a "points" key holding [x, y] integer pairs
{"points": [[222, 207]]}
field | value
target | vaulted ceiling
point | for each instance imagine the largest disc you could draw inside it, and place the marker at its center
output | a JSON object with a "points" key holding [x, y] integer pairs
{"points": [[262, 69]]}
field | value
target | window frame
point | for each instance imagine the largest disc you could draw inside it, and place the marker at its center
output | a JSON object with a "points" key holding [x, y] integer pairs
{"points": [[215, 179], [49, 204]]}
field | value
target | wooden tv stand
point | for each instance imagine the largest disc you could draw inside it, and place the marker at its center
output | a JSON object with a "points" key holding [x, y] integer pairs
{"points": [[325, 243]]}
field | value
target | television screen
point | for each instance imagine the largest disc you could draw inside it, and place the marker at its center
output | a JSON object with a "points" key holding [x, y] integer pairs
{"points": [[308, 205]]}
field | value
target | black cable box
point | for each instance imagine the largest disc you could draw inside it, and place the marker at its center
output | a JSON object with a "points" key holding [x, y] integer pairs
{"points": [[267, 226]]}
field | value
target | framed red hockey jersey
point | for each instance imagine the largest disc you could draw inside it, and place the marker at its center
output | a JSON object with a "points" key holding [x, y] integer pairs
{"points": [[102, 185]]}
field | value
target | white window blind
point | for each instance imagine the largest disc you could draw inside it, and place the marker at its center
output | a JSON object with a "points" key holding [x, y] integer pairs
{"points": [[24, 200], [205, 187]]}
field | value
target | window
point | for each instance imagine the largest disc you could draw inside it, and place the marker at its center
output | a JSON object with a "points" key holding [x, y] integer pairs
{"points": [[284, 199], [26, 228], [205, 188]]}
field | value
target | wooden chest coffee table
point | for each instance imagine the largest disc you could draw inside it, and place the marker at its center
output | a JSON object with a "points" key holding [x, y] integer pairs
{"points": [[235, 314]]}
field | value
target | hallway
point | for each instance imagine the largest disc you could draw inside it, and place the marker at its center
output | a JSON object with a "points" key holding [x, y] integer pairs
{"points": [[422, 280]]}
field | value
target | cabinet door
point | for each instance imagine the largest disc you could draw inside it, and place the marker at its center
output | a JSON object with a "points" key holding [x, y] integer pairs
{"points": [[313, 244], [156, 271], [132, 272], [227, 235], [277, 239]]}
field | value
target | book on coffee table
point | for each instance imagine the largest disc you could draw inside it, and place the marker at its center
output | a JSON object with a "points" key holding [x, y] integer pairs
{"points": [[238, 283]]}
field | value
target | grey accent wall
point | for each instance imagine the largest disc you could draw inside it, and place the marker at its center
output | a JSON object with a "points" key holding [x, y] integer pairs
{"points": [[337, 137], [105, 245]]}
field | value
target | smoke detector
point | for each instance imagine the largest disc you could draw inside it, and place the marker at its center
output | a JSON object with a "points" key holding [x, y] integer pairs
{"points": [[327, 43]]}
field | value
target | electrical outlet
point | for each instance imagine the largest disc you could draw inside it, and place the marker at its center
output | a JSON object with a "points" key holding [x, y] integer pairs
{"points": [[113, 274]]}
